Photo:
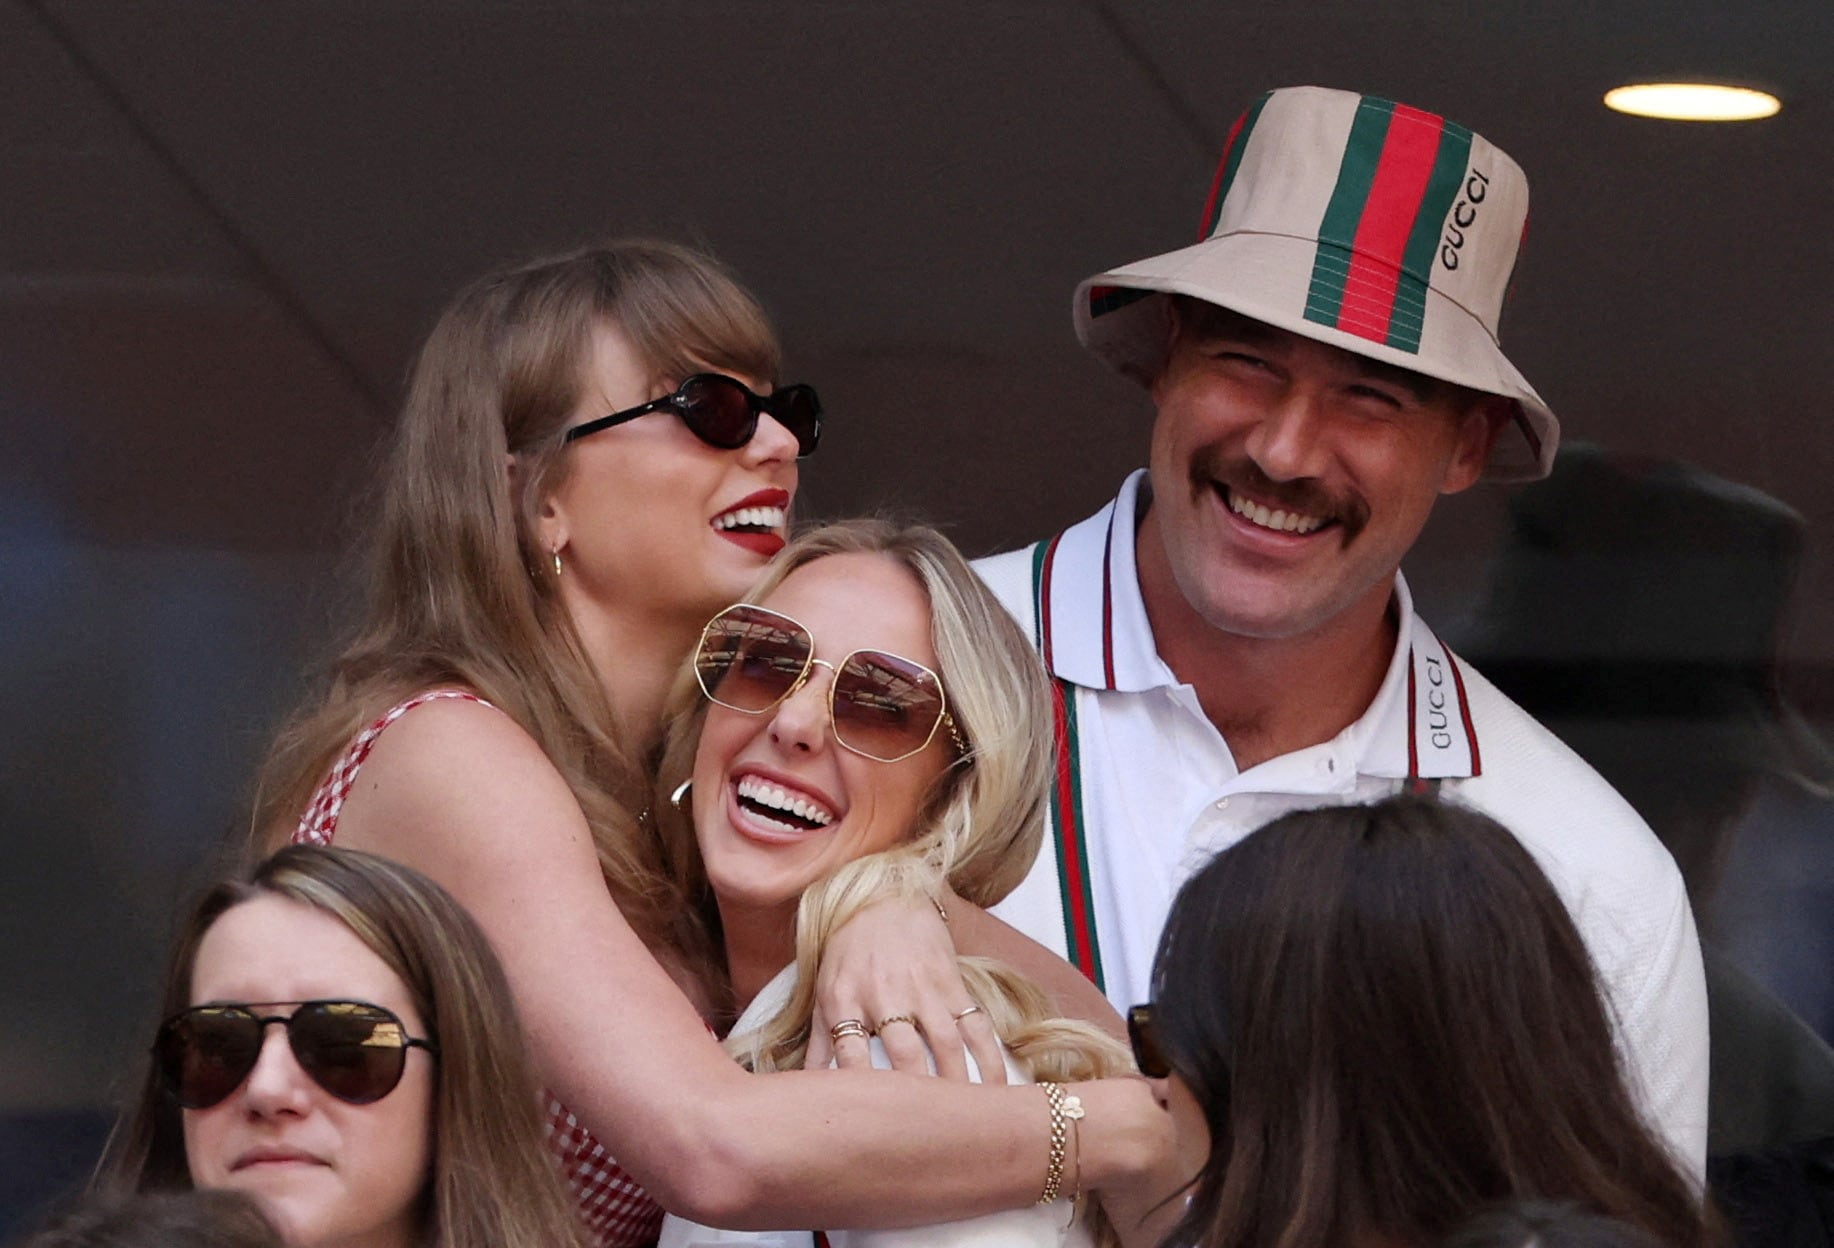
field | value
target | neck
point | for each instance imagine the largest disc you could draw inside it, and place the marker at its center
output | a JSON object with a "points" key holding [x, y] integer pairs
{"points": [[636, 658], [759, 943], [1269, 696]]}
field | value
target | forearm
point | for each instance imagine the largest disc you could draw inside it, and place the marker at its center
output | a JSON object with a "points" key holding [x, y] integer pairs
{"points": [[838, 1148], [618, 1043]]}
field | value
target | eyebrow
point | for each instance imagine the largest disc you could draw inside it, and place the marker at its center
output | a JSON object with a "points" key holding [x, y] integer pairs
{"points": [[1424, 389], [1208, 321]]}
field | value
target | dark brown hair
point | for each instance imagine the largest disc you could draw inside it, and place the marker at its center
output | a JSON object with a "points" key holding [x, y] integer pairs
{"points": [[493, 1184], [1547, 1224], [159, 1220], [1391, 1022]]}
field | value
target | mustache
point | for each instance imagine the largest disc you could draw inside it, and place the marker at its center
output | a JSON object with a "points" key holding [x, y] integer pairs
{"points": [[1213, 465]]}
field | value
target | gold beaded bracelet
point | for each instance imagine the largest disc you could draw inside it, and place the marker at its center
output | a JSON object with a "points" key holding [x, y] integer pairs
{"points": [[1066, 1111]]}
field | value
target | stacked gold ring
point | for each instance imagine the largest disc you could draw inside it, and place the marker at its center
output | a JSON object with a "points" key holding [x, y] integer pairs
{"points": [[845, 1028]]}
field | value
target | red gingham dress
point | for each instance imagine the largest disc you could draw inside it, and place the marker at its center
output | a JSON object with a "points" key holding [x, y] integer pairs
{"points": [[617, 1212]]}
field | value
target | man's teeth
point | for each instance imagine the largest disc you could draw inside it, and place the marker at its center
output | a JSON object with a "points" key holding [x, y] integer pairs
{"points": [[764, 793], [750, 518], [1284, 521]]}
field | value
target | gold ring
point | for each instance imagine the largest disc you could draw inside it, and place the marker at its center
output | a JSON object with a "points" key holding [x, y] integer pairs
{"points": [[959, 1015], [897, 1018], [845, 1028]]}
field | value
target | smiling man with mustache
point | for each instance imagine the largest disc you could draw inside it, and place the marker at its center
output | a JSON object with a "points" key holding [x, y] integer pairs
{"points": [[1232, 638]]}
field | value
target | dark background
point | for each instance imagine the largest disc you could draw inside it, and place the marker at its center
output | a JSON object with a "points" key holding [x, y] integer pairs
{"points": [[224, 226]]}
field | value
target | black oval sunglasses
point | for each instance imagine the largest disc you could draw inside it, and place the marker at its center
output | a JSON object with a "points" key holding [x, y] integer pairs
{"points": [[723, 412]]}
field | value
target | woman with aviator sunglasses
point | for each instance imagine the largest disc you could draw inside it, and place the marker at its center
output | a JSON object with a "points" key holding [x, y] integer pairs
{"points": [[539, 571], [340, 1045], [868, 725]]}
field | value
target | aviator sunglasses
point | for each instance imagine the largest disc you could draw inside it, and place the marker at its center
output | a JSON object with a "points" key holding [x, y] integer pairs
{"points": [[723, 411], [880, 706], [352, 1049]]}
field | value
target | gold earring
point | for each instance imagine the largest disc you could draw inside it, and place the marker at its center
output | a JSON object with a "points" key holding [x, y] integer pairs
{"points": [[557, 561]]}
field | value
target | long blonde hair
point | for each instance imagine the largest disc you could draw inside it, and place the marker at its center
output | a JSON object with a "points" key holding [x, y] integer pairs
{"points": [[493, 1184], [981, 825], [458, 592]]}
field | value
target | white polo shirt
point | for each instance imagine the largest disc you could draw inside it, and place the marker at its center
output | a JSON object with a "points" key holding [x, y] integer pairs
{"points": [[1147, 791]]}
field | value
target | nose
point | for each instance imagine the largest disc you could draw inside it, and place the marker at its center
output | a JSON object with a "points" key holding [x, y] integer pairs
{"points": [[277, 1085], [771, 443], [1287, 442], [799, 724]]}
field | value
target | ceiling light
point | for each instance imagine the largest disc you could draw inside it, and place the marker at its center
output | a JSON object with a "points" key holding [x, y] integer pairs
{"points": [[1692, 101]]}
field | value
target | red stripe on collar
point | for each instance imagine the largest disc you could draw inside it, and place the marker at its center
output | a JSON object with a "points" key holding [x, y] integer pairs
{"points": [[1464, 709], [1044, 603], [1108, 602]]}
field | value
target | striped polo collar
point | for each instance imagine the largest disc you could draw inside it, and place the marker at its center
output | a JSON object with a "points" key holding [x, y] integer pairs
{"points": [[1094, 632], [1092, 621]]}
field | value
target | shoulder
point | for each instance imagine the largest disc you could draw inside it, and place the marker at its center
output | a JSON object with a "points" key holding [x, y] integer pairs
{"points": [[455, 771], [454, 741], [1009, 576], [1589, 840]]}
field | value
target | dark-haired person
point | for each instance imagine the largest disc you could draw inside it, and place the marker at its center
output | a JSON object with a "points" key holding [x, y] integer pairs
{"points": [[1546, 1224], [595, 455], [339, 1044], [1233, 636], [195, 1219], [1380, 1020]]}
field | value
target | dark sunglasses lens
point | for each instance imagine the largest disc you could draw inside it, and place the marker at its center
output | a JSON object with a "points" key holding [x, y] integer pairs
{"points": [[204, 1055], [354, 1051], [750, 659], [1145, 1039], [884, 706], [797, 409], [718, 410]]}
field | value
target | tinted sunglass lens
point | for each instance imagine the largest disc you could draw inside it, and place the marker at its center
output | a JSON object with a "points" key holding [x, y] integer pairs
{"points": [[355, 1052], [204, 1055], [885, 707], [797, 409], [749, 659], [718, 410], [1148, 1056]]}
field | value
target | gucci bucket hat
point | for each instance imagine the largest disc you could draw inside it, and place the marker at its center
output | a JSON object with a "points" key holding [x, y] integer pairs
{"points": [[1361, 223]]}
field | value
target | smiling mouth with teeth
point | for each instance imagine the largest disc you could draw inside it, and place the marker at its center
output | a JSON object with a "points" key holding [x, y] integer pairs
{"points": [[775, 804], [1273, 518], [751, 519]]}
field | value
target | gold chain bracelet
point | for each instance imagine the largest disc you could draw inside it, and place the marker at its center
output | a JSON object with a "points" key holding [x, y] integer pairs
{"points": [[1066, 1111]]}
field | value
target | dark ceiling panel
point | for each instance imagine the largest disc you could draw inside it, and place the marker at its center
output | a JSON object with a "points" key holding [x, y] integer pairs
{"points": [[913, 188]]}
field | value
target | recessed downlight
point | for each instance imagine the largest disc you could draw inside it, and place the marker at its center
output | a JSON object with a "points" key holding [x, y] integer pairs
{"points": [[1692, 101]]}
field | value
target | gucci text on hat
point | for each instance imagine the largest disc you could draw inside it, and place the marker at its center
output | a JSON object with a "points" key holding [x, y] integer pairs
{"points": [[1360, 223]]}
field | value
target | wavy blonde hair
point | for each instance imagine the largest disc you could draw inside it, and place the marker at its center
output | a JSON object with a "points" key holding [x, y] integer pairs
{"points": [[493, 1183], [458, 594], [980, 827]]}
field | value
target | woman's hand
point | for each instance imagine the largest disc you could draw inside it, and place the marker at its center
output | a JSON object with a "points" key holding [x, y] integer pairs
{"points": [[1148, 1194], [895, 961]]}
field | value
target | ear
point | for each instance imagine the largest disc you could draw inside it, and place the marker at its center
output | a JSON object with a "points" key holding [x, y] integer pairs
{"points": [[1152, 375], [1483, 421], [551, 520]]}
